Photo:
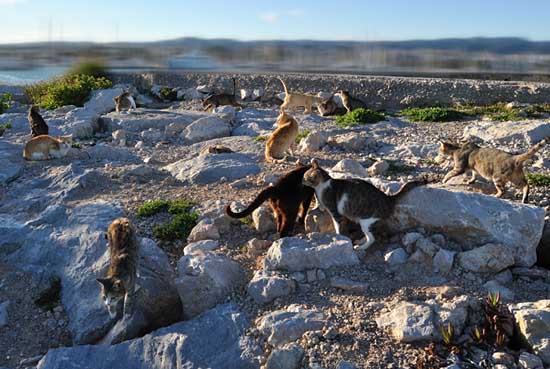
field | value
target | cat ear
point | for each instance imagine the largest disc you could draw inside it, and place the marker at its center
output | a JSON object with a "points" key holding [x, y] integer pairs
{"points": [[314, 163], [105, 282]]}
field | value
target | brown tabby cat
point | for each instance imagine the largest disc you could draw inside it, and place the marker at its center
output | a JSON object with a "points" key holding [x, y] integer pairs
{"points": [[120, 283], [124, 101], [351, 103], [353, 199], [494, 165], [216, 100], [288, 198], [282, 139], [37, 123], [329, 108]]}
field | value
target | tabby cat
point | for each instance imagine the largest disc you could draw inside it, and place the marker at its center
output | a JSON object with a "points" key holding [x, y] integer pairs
{"points": [[492, 164], [353, 199], [120, 282], [351, 103], [215, 100], [288, 199], [124, 101], [282, 139]]}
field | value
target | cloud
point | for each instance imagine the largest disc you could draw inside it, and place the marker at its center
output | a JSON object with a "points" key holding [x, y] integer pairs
{"points": [[274, 17]]}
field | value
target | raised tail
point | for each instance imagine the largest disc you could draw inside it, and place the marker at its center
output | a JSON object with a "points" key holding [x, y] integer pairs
{"points": [[409, 186], [532, 151], [259, 200], [284, 85]]}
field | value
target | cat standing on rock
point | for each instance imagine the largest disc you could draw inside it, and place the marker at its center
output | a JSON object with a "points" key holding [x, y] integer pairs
{"points": [[353, 199], [124, 101], [47, 147], [37, 123], [120, 283]]}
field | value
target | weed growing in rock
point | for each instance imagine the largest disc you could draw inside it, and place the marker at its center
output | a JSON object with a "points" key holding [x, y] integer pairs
{"points": [[182, 223], [538, 180], [260, 138], [302, 135], [359, 116], [433, 114], [396, 168], [4, 127], [5, 100], [168, 94]]}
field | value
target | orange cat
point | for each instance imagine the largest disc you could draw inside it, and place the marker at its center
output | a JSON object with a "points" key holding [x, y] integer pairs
{"points": [[46, 147]]}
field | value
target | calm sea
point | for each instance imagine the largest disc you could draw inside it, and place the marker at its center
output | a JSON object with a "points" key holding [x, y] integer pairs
{"points": [[24, 77]]}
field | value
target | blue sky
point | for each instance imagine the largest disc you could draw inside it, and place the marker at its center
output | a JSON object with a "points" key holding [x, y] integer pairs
{"points": [[136, 20]]}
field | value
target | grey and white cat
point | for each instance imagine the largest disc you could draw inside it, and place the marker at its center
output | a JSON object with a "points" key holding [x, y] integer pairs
{"points": [[353, 199], [124, 101]]}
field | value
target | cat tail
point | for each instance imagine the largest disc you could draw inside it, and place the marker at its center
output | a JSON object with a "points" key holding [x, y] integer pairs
{"points": [[258, 201], [409, 186], [529, 154], [284, 85]]}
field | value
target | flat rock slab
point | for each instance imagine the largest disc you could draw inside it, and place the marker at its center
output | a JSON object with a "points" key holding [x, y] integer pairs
{"points": [[531, 132], [211, 168], [317, 251], [473, 219], [212, 340], [143, 119]]}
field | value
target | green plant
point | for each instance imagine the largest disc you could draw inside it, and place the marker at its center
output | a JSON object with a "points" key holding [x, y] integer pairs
{"points": [[76, 145], [478, 335], [5, 100], [179, 228], [246, 221], [493, 300], [4, 127], [502, 112], [180, 206], [152, 207], [432, 114], [67, 90], [359, 116], [168, 94], [538, 180], [260, 138], [447, 332], [395, 168], [92, 68], [302, 135]]}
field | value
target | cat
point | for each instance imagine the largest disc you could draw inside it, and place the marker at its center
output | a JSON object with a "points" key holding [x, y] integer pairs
{"points": [[282, 139], [288, 199], [297, 100], [215, 100], [124, 101], [492, 164], [215, 149], [37, 123], [120, 282], [329, 107], [47, 147], [351, 103], [354, 199]]}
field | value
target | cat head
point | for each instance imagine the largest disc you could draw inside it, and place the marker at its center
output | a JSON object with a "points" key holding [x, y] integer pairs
{"points": [[344, 94], [315, 175], [447, 148], [112, 293], [34, 109]]}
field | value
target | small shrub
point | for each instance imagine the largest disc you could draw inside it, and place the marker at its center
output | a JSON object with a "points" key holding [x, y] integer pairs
{"points": [[260, 138], [169, 94], [302, 135], [538, 180], [5, 100], [179, 228], [501, 112], [152, 207], [89, 68], [433, 114], [67, 90], [4, 127], [396, 168], [359, 116], [180, 206]]}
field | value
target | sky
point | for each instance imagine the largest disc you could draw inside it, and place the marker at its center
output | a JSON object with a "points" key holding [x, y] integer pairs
{"points": [[361, 20]]}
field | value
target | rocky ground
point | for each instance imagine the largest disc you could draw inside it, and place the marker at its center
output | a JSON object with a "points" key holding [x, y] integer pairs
{"points": [[248, 299]]}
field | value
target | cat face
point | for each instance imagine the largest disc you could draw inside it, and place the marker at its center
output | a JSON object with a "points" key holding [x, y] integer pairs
{"points": [[112, 293], [314, 176], [447, 148], [34, 109]]}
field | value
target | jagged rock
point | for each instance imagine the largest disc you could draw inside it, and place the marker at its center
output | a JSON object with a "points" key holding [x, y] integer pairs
{"points": [[285, 358], [213, 340], [494, 287], [263, 220], [427, 246], [351, 167], [409, 322], [152, 135], [379, 168], [533, 319], [206, 128], [454, 312], [352, 142], [211, 168], [504, 277], [488, 258], [256, 247], [205, 281], [225, 112], [530, 361], [288, 325], [483, 219], [503, 358], [319, 221], [11, 162], [348, 285], [266, 286], [410, 239], [313, 142], [531, 132], [314, 251], [443, 261], [204, 230], [201, 246], [396, 257], [4, 313], [119, 137]]}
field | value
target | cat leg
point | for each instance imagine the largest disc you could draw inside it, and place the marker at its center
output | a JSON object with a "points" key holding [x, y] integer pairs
{"points": [[305, 207], [473, 179], [288, 222], [521, 182], [499, 186], [525, 191], [365, 227], [452, 173], [337, 221]]}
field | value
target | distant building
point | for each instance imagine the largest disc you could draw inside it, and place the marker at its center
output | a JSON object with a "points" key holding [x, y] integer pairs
{"points": [[194, 60]]}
